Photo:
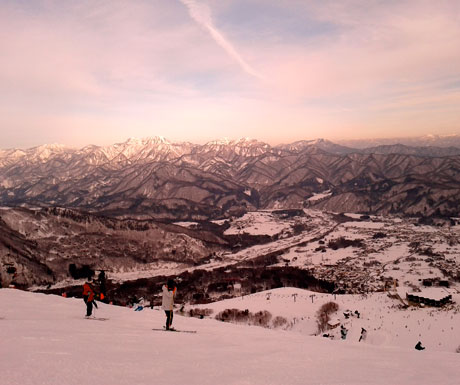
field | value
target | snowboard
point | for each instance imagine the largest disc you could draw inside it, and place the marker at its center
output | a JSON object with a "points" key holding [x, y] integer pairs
{"points": [[175, 330]]}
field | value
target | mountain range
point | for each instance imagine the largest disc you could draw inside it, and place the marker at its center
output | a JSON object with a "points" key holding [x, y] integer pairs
{"points": [[417, 141], [155, 178]]}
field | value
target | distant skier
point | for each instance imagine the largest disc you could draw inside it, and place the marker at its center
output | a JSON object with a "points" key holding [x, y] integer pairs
{"points": [[102, 279], [363, 334], [419, 346], [88, 297], [343, 332], [169, 292]]}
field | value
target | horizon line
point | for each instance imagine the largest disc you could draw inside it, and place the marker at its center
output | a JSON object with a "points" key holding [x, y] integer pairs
{"points": [[236, 140]]}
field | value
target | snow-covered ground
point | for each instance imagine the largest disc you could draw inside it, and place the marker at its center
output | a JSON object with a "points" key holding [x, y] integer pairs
{"points": [[386, 321], [44, 339], [259, 223]]}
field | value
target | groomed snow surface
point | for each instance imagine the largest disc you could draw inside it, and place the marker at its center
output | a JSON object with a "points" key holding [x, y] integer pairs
{"points": [[45, 339]]}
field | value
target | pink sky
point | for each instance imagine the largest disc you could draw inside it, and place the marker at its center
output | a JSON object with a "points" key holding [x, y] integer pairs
{"points": [[196, 70]]}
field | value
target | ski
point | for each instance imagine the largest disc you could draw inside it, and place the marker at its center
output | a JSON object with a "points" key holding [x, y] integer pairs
{"points": [[175, 330], [97, 318]]}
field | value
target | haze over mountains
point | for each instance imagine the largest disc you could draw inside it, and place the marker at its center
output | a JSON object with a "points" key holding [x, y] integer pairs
{"points": [[417, 141], [154, 178]]}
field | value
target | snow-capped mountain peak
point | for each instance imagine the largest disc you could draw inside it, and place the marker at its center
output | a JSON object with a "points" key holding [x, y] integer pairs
{"points": [[158, 171]]}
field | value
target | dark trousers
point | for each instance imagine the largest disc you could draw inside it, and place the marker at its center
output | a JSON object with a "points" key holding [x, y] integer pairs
{"points": [[169, 318], [89, 308]]}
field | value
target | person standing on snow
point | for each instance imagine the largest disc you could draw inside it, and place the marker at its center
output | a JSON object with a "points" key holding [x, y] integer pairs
{"points": [[88, 297], [169, 292], [102, 279], [343, 332]]}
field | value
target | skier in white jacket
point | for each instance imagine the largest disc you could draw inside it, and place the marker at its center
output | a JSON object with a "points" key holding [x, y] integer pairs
{"points": [[169, 292]]}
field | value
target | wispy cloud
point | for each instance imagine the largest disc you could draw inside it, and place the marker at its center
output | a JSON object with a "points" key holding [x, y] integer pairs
{"points": [[201, 13]]}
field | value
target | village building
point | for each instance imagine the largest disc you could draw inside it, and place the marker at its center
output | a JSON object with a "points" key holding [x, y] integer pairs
{"points": [[430, 297]]}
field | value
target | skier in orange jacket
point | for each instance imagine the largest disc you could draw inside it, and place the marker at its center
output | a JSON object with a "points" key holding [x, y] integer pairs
{"points": [[88, 297]]}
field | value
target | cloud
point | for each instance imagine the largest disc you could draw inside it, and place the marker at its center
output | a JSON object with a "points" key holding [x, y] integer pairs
{"points": [[330, 68], [375, 51], [202, 15]]}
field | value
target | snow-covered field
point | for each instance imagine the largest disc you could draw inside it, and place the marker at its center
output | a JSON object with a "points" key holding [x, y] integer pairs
{"points": [[44, 339], [386, 321], [259, 223]]}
